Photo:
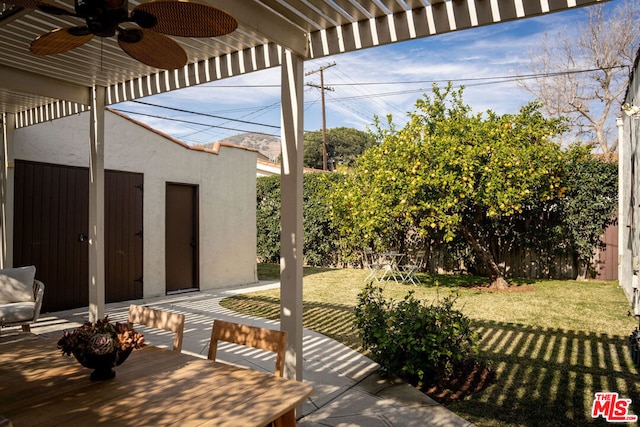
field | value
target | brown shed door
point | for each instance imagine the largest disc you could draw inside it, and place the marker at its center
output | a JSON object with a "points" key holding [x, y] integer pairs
{"points": [[51, 226], [51, 215], [181, 237], [123, 232]]}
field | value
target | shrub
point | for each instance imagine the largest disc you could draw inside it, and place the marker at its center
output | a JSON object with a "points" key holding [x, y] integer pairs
{"points": [[320, 237], [412, 339], [268, 218]]}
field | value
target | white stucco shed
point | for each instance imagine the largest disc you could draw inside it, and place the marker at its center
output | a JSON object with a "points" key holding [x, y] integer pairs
{"points": [[224, 176]]}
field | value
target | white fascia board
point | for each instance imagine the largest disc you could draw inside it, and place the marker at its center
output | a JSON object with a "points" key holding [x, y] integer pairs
{"points": [[16, 80]]}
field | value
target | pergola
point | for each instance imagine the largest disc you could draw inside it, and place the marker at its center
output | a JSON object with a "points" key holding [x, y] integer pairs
{"points": [[271, 33]]}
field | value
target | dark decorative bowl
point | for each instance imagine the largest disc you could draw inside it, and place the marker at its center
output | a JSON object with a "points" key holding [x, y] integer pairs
{"points": [[102, 364]]}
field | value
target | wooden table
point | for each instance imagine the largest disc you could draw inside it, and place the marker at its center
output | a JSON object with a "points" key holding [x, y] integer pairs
{"points": [[153, 387]]}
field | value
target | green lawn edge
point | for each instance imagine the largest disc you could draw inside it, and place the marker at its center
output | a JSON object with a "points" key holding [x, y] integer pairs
{"points": [[553, 343]]}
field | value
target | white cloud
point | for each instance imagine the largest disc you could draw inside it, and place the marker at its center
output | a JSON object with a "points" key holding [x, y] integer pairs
{"points": [[479, 53]]}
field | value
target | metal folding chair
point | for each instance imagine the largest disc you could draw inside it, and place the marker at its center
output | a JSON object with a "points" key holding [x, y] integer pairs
{"points": [[409, 270], [376, 268]]}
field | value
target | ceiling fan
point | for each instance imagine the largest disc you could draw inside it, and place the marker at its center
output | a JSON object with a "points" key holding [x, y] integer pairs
{"points": [[147, 42]]}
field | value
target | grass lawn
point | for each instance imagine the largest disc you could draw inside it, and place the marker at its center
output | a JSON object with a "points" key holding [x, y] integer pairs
{"points": [[552, 343]]}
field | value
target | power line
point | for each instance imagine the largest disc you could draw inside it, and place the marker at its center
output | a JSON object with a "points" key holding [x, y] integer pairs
{"points": [[478, 81], [208, 125], [481, 81], [508, 77], [362, 106], [261, 111], [498, 78], [155, 116], [207, 115]]}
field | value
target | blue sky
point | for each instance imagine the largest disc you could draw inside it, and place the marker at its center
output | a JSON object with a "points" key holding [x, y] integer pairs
{"points": [[382, 80]]}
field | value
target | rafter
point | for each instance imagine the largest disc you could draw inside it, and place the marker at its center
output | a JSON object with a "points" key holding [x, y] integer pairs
{"points": [[263, 21], [35, 84]]}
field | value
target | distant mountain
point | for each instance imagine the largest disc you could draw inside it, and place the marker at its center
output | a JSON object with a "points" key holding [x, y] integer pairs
{"points": [[267, 145]]}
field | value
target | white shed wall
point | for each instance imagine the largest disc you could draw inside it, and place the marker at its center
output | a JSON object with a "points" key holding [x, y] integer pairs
{"points": [[226, 185]]}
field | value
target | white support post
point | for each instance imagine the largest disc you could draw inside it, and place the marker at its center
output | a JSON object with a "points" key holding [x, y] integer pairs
{"points": [[625, 253], [291, 211], [8, 196], [6, 192], [96, 206]]}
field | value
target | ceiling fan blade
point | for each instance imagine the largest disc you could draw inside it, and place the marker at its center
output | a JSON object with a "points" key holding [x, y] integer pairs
{"points": [[55, 10], [27, 4], [184, 19], [59, 41], [43, 6], [153, 49]]}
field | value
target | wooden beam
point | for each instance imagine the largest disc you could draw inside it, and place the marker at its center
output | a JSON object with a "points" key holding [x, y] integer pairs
{"points": [[263, 21], [36, 84]]}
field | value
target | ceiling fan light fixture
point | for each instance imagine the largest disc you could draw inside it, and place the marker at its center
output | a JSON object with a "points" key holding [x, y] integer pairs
{"points": [[103, 16], [102, 8], [85, 8]]}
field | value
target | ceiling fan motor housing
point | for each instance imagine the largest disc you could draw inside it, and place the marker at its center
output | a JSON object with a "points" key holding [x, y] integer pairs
{"points": [[103, 16]]}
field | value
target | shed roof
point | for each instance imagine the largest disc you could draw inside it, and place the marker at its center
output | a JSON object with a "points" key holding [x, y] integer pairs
{"points": [[215, 148]]}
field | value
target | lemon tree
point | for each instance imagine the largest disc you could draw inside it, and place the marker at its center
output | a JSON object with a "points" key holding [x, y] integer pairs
{"points": [[449, 173]]}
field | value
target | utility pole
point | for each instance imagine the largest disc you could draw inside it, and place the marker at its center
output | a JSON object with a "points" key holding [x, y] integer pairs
{"points": [[324, 120]]}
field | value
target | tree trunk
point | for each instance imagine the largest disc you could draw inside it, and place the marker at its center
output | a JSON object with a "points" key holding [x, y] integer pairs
{"points": [[496, 278], [582, 269], [499, 284]]}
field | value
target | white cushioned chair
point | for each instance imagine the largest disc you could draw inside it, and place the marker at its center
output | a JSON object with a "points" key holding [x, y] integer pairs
{"points": [[20, 297]]}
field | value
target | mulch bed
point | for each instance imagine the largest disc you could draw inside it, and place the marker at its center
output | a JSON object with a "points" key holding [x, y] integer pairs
{"points": [[469, 376]]}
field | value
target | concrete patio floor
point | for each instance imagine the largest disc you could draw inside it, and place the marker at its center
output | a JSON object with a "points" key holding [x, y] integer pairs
{"points": [[347, 389]]}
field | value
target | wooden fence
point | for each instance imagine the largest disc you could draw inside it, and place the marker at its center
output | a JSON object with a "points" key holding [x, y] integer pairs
{"points": [[521, 263], [531, 264]]}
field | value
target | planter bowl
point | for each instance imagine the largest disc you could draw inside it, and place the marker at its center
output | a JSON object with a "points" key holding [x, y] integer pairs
{"points": [[102, 364]]}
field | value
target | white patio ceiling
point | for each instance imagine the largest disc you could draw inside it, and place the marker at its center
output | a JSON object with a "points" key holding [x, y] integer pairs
{"points": [[271, 33], [37, 88]]}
